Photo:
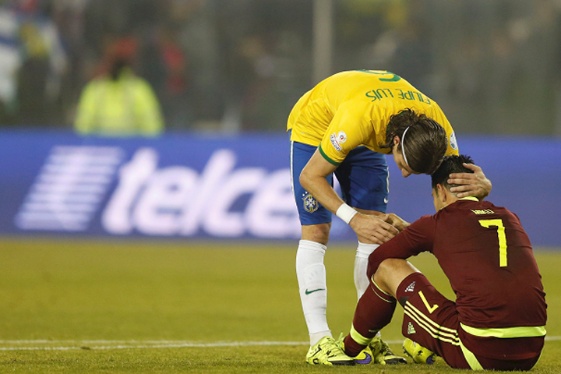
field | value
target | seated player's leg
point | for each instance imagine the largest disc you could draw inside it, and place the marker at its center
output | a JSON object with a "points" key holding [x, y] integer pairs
{"points": [[373, 312], [430, 320]]}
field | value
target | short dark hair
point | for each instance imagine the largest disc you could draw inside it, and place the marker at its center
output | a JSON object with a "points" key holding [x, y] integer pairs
{"points": [[425, 141], [450, 164]]}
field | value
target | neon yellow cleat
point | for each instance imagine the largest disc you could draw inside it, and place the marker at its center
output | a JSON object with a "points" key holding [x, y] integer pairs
{"points": [[327, 352], [365, 357], [419, 354], [382, 353]]}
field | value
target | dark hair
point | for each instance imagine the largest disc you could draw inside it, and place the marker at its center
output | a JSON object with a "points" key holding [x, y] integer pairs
{"points": [[450, 164], [425, 141]]}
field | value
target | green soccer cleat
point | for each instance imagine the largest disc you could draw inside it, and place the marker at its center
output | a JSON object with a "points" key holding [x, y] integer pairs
{"points": [[419, 354], [382, 353], [327, 352]]}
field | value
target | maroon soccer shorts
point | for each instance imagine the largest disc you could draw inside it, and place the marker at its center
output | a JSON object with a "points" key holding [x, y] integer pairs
{"points": [[431, 320]]}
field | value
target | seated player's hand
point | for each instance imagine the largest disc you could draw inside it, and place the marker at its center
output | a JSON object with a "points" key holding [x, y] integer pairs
{"points": [[396, 221], [372, 228], [470, 184]]}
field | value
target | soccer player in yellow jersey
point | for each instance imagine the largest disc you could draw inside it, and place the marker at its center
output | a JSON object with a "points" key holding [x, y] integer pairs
{"points": [[345, 126]]}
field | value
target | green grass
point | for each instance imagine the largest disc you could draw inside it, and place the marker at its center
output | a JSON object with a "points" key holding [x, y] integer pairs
{"points": [[69, 306]]}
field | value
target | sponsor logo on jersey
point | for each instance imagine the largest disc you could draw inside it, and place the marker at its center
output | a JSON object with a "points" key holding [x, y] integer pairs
{"points": [[338, 139], [453, 141]]}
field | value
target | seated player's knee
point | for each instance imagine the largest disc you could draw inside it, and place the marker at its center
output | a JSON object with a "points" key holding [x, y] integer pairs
{"points": [[387, 269], [391, 272], [383, 270]]}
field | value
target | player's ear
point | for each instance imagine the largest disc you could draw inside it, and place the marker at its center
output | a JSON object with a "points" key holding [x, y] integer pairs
{"points": [[440, 192], [396, 140]]}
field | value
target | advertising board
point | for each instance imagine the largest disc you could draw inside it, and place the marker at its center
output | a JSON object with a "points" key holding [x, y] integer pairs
{"points": [[225, 187]]}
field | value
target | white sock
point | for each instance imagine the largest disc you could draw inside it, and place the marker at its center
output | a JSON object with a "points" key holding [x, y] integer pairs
{"points": [[361, 263], [312, 285]]}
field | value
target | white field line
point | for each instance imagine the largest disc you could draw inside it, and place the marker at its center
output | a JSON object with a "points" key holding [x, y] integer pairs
{"points": [[70, 345]]}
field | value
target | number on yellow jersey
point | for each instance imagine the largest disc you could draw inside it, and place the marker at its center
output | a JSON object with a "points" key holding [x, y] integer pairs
{"points": [[386, 76]]}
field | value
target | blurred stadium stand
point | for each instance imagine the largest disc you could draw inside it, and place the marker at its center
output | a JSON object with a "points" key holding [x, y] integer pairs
{"points": [[233, 66]]}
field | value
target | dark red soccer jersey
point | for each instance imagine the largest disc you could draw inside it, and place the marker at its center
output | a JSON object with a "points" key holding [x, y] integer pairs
{"points": [[486, 255]]}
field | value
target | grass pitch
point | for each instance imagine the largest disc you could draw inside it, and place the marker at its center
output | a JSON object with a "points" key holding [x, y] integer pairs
{"points": [[69, 306]]}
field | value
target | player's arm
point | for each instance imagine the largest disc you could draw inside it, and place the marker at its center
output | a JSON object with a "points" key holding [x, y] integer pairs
{"points": [[369, 228], [467, 184], [470, 184], [416, 238]]}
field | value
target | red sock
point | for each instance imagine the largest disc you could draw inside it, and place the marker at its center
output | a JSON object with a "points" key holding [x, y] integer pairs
{"points": [[374, 310]]}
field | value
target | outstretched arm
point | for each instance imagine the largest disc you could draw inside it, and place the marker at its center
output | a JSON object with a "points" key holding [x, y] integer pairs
{"points": [[468, 184], [369, 228]]}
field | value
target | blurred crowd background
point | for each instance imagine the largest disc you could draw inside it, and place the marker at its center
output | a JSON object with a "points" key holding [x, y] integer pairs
{"points": [[231, 66]]}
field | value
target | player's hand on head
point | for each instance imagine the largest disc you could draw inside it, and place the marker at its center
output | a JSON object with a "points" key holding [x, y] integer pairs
{"points": [[470, 184], [373, 229]]}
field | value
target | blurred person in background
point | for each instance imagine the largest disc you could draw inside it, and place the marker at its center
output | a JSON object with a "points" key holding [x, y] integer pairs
{"points": [[497, 321], [119, 102], [32, 64], [165, 65], [345, 126]]}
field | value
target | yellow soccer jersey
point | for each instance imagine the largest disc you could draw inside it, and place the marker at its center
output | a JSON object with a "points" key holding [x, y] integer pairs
{"points": [[353, 108]]}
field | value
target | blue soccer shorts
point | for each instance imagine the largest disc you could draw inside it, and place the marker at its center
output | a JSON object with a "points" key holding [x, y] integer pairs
{"points": [[362, 176]]}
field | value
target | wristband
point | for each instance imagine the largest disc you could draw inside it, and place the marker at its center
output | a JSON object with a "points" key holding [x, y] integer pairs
{"points": [[346, 213]]}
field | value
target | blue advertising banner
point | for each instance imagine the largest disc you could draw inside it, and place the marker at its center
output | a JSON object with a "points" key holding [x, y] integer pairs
{"points": [[180, 185], [226, 187]]}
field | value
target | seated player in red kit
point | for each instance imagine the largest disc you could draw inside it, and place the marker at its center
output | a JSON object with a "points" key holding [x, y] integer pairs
{"points": [[497, 321]]}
